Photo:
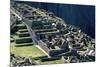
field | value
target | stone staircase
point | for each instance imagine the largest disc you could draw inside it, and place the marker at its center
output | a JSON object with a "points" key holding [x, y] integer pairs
{"points": [[22, 37]]}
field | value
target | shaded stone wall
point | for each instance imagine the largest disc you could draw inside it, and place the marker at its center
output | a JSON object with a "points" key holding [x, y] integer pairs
{"points": [[78, 15]]}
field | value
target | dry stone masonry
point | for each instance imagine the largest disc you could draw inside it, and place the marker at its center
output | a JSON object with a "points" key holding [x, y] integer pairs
{"points": [[50, 33]]}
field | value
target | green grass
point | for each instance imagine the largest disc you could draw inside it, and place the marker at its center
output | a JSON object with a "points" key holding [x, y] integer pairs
{"points": [[32, 51], [26, 51], [17, 37]]}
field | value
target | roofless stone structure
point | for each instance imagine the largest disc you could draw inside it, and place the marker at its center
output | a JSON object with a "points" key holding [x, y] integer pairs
{"points": [[50, 34]]}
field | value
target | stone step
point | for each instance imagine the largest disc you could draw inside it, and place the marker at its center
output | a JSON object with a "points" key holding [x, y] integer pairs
{"points": [[22, 30], [18, 33], [24, 35], [45, 30], [24, 44], [23, 40], [43, 33], [42, 27], [21, 26], [11, 40]]}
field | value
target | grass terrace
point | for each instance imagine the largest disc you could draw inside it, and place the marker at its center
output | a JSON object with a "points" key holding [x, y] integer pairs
{"points": [[26, 51]]}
